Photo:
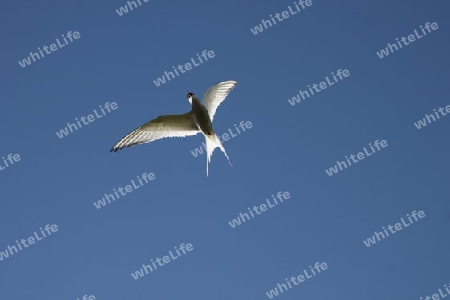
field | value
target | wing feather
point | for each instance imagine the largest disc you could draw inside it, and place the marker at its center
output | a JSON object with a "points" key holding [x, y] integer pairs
{"points": [[161, 127], [215, 95]]}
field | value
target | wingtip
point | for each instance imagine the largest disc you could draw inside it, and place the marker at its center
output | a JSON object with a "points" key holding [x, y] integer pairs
{"points": [[114, 149]]}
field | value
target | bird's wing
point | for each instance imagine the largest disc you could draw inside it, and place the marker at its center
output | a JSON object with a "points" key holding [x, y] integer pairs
{"points": [[215, 95], [161, 127]]}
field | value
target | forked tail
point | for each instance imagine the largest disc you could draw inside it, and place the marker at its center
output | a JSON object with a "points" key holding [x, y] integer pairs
{"points": [[213, 142]]}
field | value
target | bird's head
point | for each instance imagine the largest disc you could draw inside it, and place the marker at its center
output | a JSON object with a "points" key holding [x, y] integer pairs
{"points": [[190, 96]]}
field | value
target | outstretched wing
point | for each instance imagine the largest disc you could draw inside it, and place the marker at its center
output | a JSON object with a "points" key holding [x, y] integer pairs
{"points": [[216, 94], [161, 127]]}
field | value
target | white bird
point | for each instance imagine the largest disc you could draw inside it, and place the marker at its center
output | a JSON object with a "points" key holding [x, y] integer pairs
{"points": [[199, 119]]}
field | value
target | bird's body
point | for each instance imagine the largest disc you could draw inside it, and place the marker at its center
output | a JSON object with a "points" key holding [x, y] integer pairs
{"points": [[202, 117], [199, 119]]}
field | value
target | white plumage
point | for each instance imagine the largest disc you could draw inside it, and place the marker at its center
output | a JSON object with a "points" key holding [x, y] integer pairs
{"points": [[199, 119]]}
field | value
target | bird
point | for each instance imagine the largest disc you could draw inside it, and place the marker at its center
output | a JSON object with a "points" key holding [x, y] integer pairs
{"points": [[198, 120]]}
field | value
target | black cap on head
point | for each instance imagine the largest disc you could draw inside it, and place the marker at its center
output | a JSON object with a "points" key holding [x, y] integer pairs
{"points": [[189, 94]]}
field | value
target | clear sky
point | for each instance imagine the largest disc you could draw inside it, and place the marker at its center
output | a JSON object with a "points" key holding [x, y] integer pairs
{"points": [[93, 251]]}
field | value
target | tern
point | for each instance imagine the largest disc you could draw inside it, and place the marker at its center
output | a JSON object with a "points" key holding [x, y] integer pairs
{"points": [[198, 120]]}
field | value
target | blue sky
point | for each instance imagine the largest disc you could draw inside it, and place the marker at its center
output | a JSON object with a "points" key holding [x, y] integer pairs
{"points": [[117, 58]]}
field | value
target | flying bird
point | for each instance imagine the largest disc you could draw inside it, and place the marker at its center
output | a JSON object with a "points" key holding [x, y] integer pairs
{"points": [[198, 120]]}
